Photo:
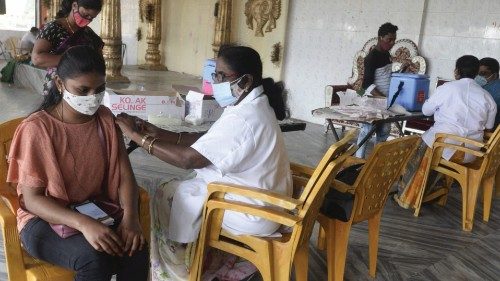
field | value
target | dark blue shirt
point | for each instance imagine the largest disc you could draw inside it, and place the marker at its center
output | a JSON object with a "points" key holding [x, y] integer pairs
{"points": [[493, 87]]}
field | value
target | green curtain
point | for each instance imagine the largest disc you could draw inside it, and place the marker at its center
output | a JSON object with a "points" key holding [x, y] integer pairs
{"points": [[8, 72]]}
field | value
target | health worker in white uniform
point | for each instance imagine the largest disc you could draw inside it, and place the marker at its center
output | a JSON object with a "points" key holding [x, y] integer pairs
{"points": [[461, 108], [244, 146]]}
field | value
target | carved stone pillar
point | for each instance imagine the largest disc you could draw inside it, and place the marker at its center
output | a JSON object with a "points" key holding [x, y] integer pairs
{"points": [[222, 33], [111, 34], [55, 6], [153, 38]]}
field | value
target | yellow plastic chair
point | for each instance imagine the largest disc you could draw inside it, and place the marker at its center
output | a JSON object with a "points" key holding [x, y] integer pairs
{"points": [[384, 165], [488, 137], [497, 184], [470, 176], [20, 265], [442, 193], [273, 257]]}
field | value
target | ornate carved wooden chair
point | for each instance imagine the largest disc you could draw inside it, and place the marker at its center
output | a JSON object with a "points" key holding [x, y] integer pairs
{"points": [[479, 174], [273, 257], [404, 51], [370, 189], [20, 265]]}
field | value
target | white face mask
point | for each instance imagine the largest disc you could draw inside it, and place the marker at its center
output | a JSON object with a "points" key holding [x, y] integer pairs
{"points": [[87, 105], [227, 93], [481, 80]]}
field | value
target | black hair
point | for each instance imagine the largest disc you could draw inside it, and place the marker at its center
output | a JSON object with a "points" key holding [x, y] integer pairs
{"points": [[387, 28], [245, 60], [467, 66], [490, 63], [33, 30], [87, 4], [74, 62]]}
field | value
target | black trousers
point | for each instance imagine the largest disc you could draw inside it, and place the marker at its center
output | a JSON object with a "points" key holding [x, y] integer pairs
{"points": [[75, 253]]}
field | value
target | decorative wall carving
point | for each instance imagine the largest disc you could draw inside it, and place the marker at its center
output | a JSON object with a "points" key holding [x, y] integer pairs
{"points": [[262, 12], [138, 34], [276, 54]]}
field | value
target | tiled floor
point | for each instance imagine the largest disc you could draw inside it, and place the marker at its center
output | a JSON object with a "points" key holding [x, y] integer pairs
{"points": [[431, 247]]}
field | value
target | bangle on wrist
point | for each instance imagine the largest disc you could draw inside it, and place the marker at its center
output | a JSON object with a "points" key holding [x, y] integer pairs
{"points": [[179, 139], [151, 145], [144, 138]]}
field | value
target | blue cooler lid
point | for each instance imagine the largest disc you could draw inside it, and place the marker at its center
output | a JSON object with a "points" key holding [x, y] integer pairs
{"points": [[410, 75]]}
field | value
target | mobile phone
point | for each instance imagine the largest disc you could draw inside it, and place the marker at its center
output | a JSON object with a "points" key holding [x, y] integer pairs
{"points": [[90, 209]]}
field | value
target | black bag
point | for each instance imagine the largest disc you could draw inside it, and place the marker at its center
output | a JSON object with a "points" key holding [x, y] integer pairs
{"points": [[338, 205]]}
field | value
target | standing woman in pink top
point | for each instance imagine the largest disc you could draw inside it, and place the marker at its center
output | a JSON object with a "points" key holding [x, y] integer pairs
{"points": [[70, 151]]}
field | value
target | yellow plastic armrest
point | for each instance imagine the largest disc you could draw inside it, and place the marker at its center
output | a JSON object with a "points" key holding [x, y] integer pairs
{"points": [[254, 193], [448, 168], [299, 169], [268, 213], [9, 192], [12, 201], [351, 161], [342, 187], [144, 215], [440, 137], [299, 182], [352, 149], [143, 195], [459, 148], [350, 135], [11, 243], [7, 217]]}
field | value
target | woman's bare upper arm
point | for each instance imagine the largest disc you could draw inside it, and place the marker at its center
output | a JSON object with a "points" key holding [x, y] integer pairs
{"points": [[124, 160], [30, 191], [42, 47]]}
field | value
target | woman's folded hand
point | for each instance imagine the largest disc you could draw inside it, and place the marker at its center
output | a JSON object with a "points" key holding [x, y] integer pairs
{"points": [[131, 233], [103, 238]]}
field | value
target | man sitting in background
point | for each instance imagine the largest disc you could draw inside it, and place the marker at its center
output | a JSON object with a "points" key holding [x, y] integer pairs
{"points": [[488, 79], [28, 41]]}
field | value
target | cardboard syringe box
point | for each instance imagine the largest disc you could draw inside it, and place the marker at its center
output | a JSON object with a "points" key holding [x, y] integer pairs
{"points": [[166, 103], [204, 107]]}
